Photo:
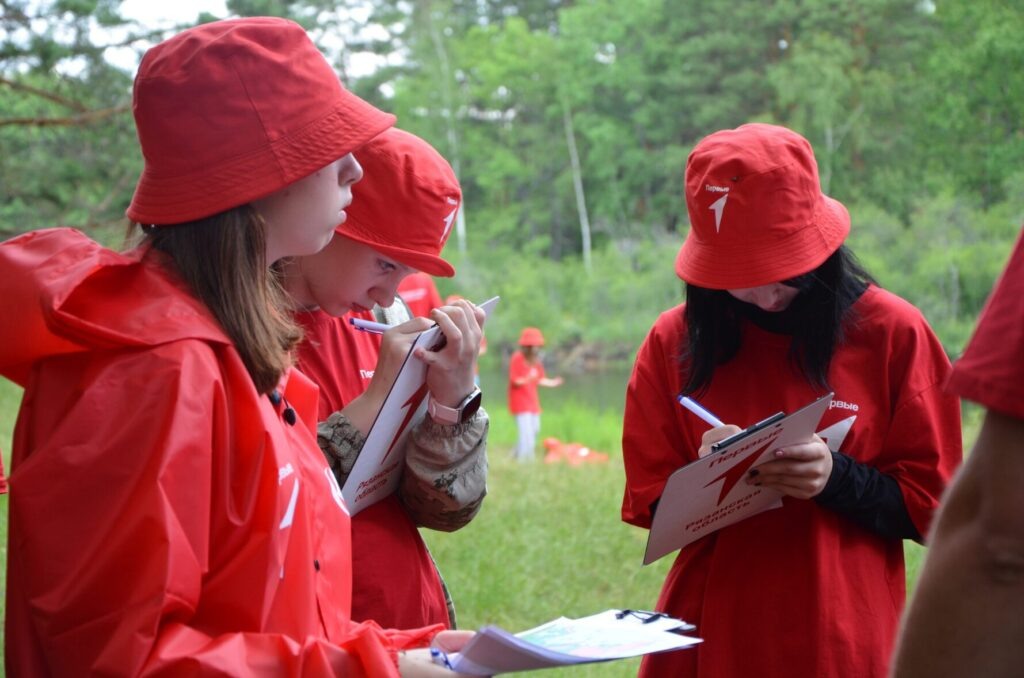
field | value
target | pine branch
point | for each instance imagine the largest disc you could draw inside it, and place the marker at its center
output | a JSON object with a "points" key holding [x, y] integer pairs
{"points": [[44, 94], [86, 118]]}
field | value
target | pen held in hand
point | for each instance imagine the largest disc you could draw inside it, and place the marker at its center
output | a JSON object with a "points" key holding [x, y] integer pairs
{"points": [[380, 328], [369, 326], [700, 411]]}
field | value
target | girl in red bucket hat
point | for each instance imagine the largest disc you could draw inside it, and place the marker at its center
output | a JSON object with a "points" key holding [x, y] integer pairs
{"points": [[170, 510], [398, 223], [525, 374], [778, 313]]}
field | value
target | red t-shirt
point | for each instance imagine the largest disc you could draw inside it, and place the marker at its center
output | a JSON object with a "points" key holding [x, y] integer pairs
{"points": [[799, 590], [524, 399], [395, 582], [420, 293], [991, 370]]}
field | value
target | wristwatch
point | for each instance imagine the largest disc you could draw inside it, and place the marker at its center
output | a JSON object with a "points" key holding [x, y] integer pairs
{"points": [[455, 415]]}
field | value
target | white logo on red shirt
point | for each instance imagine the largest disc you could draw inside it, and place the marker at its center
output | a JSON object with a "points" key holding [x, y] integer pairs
{"points": [[835, 434], [289, 514], [843, 405]]}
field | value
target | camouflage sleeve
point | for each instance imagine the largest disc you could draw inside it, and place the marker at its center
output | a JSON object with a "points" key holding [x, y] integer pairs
{"points": [[445, 476], [341, 443]]}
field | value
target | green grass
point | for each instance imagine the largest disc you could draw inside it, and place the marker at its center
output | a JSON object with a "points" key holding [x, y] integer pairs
{"points": [[10, 401], [548, 541]]}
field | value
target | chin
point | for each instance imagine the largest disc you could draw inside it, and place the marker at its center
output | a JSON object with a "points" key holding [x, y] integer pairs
{"points": [[335, 310]]}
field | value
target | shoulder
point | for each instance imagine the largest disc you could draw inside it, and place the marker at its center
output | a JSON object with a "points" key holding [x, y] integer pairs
{"points": [[669, 327], [881, 313], [189, 363], [892, 330]]}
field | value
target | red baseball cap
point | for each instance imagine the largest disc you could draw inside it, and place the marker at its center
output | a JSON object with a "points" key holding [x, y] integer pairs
{"points": [[531, 336], [405, 205], [757, 213], [234, 110]]}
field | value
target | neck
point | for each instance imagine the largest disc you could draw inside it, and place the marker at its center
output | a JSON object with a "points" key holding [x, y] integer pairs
{"points": [[300, 297]]}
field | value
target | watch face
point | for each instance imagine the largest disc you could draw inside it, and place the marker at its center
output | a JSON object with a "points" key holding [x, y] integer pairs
{"points": [[456, 415], [471, 405]]}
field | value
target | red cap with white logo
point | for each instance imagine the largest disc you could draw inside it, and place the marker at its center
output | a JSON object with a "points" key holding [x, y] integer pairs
{"points": [[757, 213], [405, 205]]}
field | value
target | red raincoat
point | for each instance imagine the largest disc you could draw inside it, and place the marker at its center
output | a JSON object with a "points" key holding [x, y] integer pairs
{"points": [[164, 517]]}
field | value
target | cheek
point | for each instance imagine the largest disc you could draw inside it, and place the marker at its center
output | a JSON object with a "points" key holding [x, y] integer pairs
{"points": [[742, 295]]}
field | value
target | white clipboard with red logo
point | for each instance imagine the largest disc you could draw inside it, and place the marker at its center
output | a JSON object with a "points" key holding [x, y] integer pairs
{"points": [[710, 493], [378, 467]]}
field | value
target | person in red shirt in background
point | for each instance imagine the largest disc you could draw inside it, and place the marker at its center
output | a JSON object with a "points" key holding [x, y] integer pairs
{"points": [[778, 313], [397, 224], [967, 614], [419, 292], [170, 510], [525, 374]]}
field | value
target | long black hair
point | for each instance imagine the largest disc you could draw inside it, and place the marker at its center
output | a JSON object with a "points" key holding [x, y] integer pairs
{"points": [[816, 320]]}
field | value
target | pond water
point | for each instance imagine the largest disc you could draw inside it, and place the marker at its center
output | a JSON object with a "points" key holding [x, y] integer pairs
{"points": [[603, 390]]}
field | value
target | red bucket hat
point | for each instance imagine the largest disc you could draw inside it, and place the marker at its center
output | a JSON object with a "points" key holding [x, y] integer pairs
{"points": [[406, 203], [757, 213], [531, 336], [234, 110]]}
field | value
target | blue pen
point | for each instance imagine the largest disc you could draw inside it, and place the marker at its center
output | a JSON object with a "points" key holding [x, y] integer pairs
{"points": [[700, 411], [440, 658], [369, 326]]}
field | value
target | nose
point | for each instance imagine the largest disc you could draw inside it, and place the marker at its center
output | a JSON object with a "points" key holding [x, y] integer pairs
{"points": [[383, 297], [349, 170], [384, 293]]}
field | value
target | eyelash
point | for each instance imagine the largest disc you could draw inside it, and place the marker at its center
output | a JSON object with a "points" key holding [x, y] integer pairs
{"points": [[386, 266]]}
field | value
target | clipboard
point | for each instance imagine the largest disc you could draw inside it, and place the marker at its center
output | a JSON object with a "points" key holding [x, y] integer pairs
{"points": [[709, 494], [606, 636], [378, 467]]}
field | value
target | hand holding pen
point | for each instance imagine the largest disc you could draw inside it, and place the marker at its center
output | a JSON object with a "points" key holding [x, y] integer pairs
{"points": [[720, 431]]}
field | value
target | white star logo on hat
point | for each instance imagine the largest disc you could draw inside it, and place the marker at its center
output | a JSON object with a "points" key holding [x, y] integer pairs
{"points": [[449, 219], [719, 206]]}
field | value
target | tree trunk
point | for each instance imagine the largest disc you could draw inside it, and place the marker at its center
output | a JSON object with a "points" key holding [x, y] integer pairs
{"points": [[577, 184]]}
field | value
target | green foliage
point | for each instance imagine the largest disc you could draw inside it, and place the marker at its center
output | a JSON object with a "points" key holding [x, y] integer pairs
{"points": [[944, 261]]}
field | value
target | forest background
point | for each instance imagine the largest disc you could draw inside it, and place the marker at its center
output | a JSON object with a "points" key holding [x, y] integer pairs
{"points": [[569, 124]]}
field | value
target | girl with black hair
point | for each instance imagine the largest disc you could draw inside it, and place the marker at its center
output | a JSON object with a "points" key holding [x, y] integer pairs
{"points": [[777, 313]]}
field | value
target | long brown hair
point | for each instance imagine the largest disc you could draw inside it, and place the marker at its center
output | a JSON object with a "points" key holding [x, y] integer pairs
{"points": [[222, 258]]}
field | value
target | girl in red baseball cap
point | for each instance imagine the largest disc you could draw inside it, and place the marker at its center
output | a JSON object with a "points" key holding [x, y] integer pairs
{"points": [[398, 222], [525, 374], [778, 313], [170, 509]]}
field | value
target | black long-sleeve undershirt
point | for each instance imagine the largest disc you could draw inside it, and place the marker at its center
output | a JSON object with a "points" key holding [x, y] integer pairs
{"points": [[867, 497]]}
